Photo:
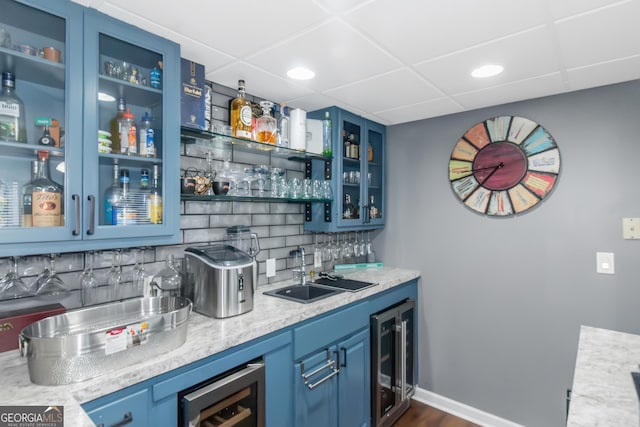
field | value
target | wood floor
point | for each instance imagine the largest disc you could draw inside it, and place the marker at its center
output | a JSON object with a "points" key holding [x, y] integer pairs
{"points": [[421, 415]]}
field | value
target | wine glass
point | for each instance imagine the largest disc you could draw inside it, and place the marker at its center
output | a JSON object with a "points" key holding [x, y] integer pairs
{"points": [[114, 275], [88, 282], [363, 247], [347, 248], [326, 250], [335, 248], [371, 255], [11, 285], [139, 275], [261, 172], [48, 282], [356, 248]]}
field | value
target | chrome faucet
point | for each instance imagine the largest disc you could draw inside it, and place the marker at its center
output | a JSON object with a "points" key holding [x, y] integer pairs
{"points": [[298, 270]]}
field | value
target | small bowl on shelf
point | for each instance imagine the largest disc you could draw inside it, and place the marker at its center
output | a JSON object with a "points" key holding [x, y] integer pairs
{"points": [[220, 188], [104, 149]]}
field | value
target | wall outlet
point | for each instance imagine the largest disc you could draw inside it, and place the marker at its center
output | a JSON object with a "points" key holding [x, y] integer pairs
{"points": [[631, 228], [605, 263], [271, 267]]}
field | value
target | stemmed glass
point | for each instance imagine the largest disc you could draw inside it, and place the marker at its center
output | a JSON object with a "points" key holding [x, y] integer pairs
{"points": [[48, 282], [326, 250], [371, 255], [363, 247], [261, 172], [139, 275], [335, 249], [88, 281], [11, 285], [114, 275], [356, 248], [347, 248]]}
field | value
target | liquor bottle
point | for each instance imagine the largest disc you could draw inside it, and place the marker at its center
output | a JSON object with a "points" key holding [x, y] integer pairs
{"points": [[370, 153], [12, 112], [141, 198], [123, 209], [266, 125], [128, 134], [46, 138], [347, 145], [27, 189], [111, 195], [114, 126], [241, 115], [327, 149], [155, 198], [373, 210], [46, 196], [147, 137]]}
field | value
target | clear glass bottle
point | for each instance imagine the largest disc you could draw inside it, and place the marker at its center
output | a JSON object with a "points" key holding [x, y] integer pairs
{"points": [[46, 196], [124, 212], [27, 189], [147, 137], [12, 113], [266, 124], [373, 210], [327, 146], [240, 115], [128, 134], [141, 198], [111, 195], [283, 127], [168, 281], [155, 198], [114, 127]]}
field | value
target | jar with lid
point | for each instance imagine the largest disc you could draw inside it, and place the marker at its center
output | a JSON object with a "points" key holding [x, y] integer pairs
{"points": [[168, 281], [266, 124]]}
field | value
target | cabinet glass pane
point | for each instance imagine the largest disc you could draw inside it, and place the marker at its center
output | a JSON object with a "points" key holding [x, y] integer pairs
{"points": [[131, 78], [375, 175], [351, 171], [32, 50]]}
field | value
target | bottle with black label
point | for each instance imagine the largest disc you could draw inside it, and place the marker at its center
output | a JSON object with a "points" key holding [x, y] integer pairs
{"points": [[46, 138]]}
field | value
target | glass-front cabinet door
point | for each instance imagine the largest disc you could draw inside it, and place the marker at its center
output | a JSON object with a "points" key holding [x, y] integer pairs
{"points": [[131, 132], [40, 127]]}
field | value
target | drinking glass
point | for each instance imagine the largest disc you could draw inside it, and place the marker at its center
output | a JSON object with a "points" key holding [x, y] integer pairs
{"points": [[114, 275], [335, 248], [363, 248], [327, 190], [356, 248], [347, 247], [48, 282], [371, 255], [307, 189], [139, 275], [11, 285], [326, 250], [295, 188], [261, 172], [88, 282], [210, 173]]}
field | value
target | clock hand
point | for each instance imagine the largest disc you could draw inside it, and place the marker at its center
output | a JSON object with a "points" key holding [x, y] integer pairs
{"points": [[488, 167], [495, 168]]}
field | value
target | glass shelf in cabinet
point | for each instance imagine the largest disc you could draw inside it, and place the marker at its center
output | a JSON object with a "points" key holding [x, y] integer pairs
{"points": [[350, 160], [221, 141], [128, 161], [32, 68], [21, 150], [226, 198], [135, 94]]}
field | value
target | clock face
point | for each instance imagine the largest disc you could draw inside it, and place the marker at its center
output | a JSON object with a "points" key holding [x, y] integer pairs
{"points": [[504, 166]]}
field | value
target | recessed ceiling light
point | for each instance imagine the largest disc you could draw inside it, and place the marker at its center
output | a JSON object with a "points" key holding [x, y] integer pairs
{"points": [[105, 97], [487, 71], [301, 73]]}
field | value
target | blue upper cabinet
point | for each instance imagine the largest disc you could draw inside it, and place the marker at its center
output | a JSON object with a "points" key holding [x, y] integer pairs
{"points": [[52, 49], [357, 175]]}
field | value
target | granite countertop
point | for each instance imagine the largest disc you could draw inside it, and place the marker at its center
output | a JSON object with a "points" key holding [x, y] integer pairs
{"points": [[205, 337], [603, 392]]}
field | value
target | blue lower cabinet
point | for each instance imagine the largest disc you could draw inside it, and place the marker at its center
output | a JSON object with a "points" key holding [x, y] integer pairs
{"points": [[333, 386], [131, 410]]}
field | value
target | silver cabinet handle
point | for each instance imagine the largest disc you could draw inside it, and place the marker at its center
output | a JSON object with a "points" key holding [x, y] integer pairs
{"points": [[128, 418], [403, 359], [76, 204], [92, 214], [331, 364]]}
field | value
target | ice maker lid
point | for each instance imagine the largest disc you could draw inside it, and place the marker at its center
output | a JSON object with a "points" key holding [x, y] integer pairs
{"points": [[221, 255]]}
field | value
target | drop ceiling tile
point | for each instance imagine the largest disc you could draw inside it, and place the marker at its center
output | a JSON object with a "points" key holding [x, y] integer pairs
{"points": [[259, 82], [524, 55], [337, 54], [606, 34], [419, 30], [512, 92], [410, 113], [604, 73], [339, 6], [312, 102], [237, 29], [565, 8], [386, 91]]}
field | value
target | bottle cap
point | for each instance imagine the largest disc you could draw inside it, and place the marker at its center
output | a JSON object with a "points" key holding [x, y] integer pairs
{"points": [[43, 155], [146, 118], [128, 114]]}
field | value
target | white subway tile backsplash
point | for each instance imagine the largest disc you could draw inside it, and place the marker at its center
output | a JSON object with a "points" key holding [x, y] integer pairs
{"points": [[229, 220], [285, 230], [250, 207], [194, 221], [208, 208], [268, 219], [203, 235]]}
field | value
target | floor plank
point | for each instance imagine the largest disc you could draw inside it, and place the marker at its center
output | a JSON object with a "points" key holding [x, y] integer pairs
{"points": [[421, 415]]}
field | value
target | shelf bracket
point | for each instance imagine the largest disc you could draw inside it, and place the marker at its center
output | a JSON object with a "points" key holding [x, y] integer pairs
{"points": [[327, 169], [327, 212], [308, 168], [307, 211]]}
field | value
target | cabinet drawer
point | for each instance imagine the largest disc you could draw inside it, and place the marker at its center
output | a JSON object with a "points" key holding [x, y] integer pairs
{"points": [[130, 411], [329, 329]]}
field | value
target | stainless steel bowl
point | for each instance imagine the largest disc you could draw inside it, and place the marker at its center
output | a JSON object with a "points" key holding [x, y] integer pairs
{"points": [[84, 343]]}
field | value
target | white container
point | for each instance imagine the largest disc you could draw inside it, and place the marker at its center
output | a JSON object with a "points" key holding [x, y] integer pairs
{"points": [[314, 136], [298, 130]]}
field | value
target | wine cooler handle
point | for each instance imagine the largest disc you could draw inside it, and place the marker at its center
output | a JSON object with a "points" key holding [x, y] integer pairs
{"points": [[92, 214], [330, 364], [76, 204], [128, 418], [403, 360]]}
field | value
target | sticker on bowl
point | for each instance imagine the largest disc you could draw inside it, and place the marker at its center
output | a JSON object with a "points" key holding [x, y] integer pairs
{"points": [[115, 340]]}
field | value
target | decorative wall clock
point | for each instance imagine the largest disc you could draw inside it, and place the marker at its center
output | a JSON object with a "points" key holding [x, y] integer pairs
{"points": [[504, 166]]}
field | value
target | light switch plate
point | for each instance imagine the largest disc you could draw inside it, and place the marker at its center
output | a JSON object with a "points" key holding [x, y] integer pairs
{"points": [[631, 228], [271, 267], [605, 263]]}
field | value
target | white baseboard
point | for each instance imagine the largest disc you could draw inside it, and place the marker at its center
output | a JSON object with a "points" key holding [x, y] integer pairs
{"points": [[461, 410]]}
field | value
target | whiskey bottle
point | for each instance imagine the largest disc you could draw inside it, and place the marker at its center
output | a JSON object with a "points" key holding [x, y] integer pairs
{"points": [[114, 127], [27, 189], [155, 198], [266, 124], [46, 196], [241, 114], [12, 113]]}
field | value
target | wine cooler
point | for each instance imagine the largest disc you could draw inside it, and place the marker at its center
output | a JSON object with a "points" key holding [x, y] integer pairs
{"points": [[393, 374]]}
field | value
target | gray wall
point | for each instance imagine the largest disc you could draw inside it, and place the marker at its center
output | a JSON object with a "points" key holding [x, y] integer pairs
{"points": [[502, 299]]}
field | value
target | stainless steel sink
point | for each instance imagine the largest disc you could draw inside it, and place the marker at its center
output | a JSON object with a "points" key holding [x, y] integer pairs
{"points": [[303, 293]]}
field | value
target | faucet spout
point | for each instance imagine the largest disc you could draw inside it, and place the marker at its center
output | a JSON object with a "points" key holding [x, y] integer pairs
{"points": [[299, 272]]}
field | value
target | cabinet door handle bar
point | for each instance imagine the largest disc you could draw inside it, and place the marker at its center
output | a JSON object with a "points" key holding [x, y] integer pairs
{"points": [[92, 214], [128, 418], [76, 204]]}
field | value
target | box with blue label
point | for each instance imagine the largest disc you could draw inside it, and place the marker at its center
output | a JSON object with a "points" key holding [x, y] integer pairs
{"points": [[192, 105]]}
